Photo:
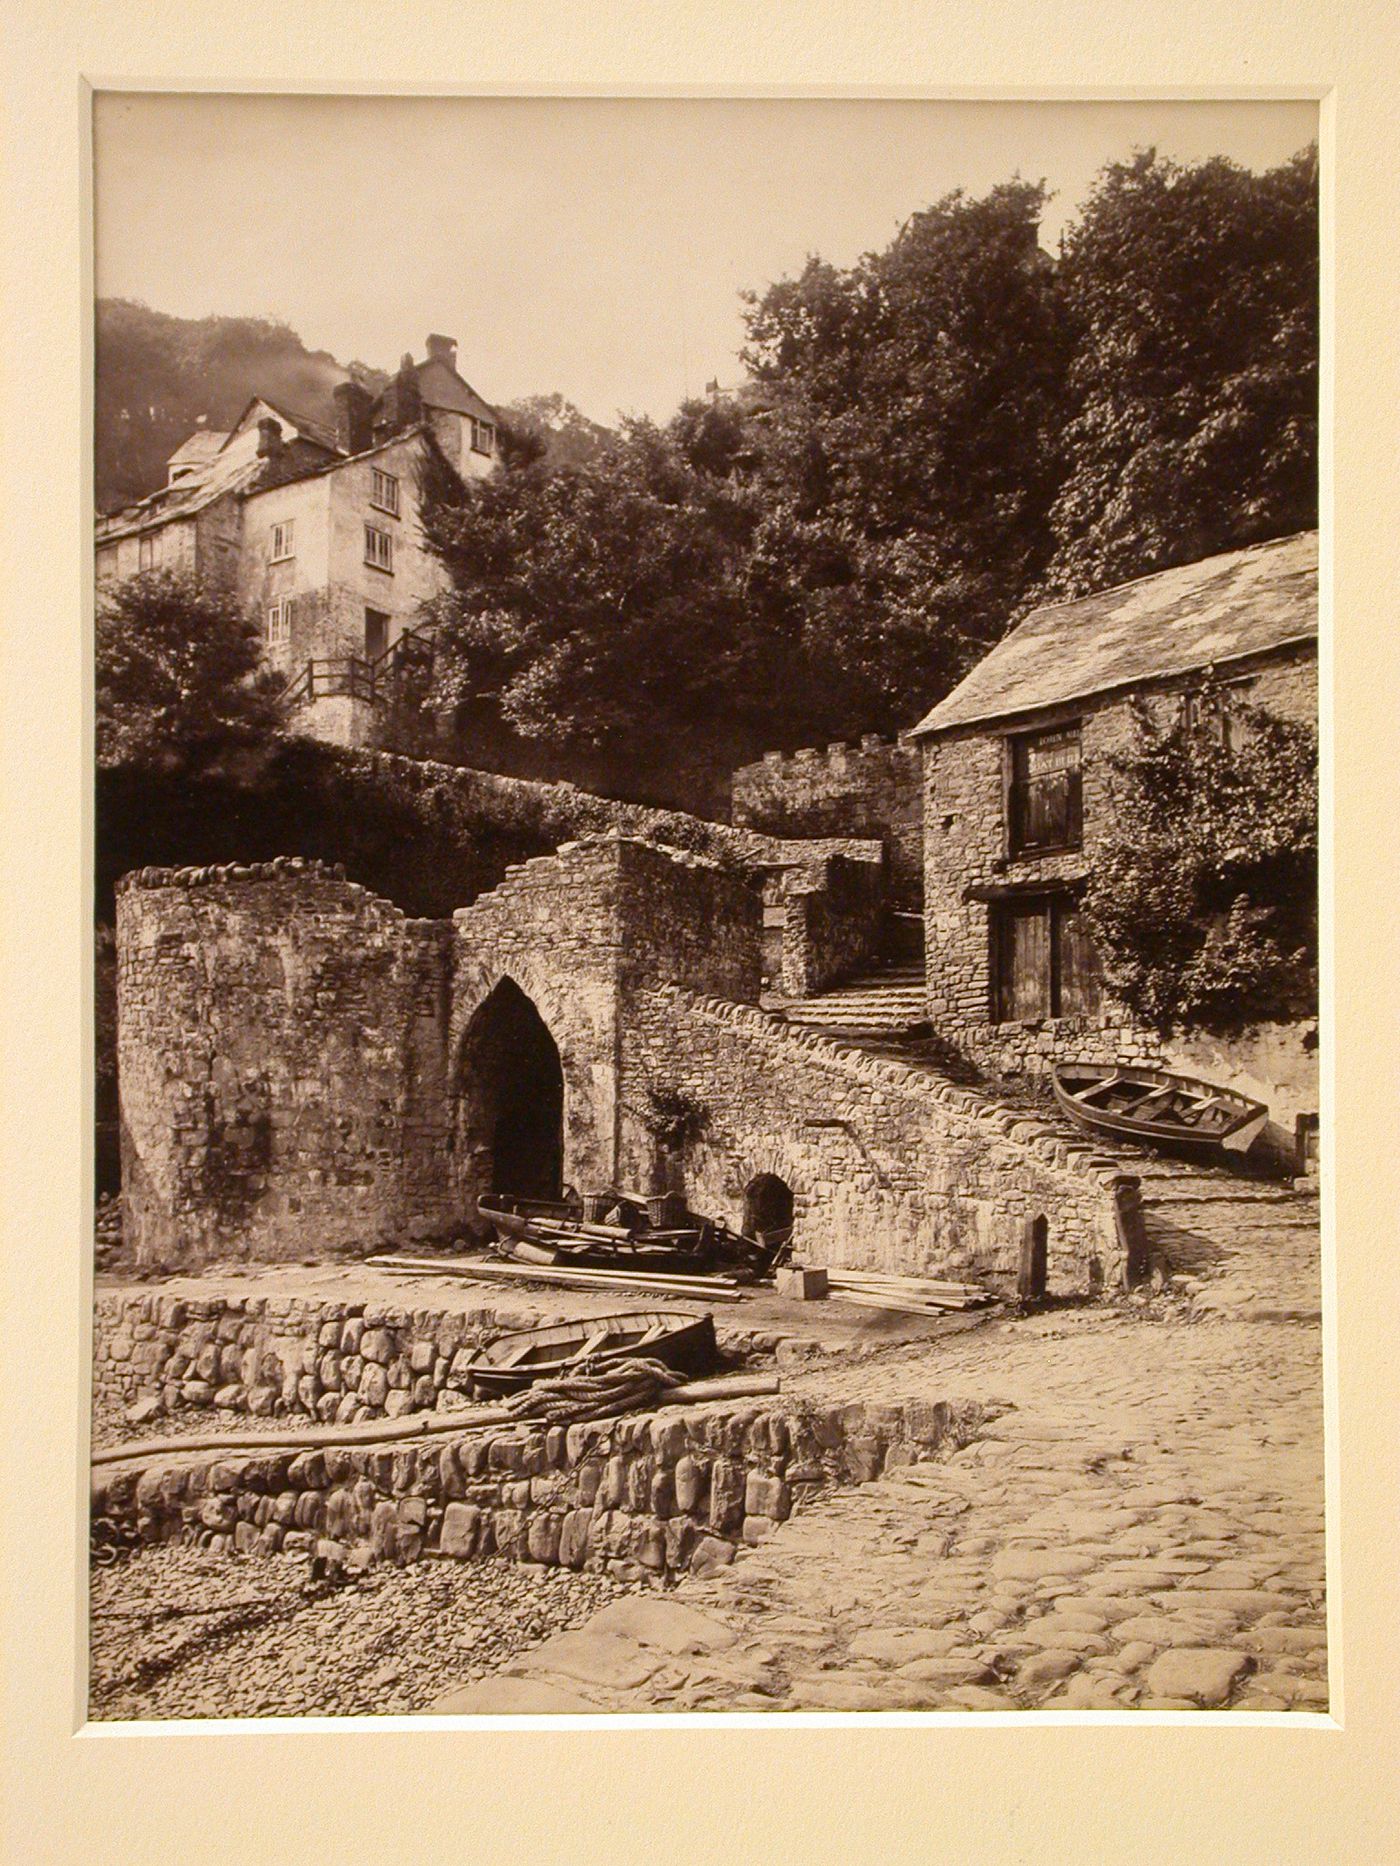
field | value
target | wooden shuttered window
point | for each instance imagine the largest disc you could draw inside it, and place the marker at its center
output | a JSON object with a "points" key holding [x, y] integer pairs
{"points": [[1046, 796], [1046, 964]]}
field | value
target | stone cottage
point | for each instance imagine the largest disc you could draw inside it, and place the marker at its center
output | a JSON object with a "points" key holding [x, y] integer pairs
{"points": [[316, 531], [1016, 797]]}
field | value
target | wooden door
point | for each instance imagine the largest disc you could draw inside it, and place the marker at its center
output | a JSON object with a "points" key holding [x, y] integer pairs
{"points": [[1025, 962]]}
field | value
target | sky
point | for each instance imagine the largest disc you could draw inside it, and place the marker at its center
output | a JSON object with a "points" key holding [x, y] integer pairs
{"points": [[596, 247]]}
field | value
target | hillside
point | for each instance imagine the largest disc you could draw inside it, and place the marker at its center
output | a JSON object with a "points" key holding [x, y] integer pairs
{"points": [[157, 376]]}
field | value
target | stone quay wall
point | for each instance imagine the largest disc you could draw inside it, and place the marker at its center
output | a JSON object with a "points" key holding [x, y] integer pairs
{"points": [[870, 789], [966, 848], [282, 1043], [334, 1362], [890, 1168], [646, 1494]]}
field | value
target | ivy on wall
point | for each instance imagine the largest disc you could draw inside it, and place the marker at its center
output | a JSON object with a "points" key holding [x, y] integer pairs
{"points": [[1203, 898]]}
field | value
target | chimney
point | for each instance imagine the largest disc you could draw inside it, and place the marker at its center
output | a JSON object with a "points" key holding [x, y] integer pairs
{"points": [[353, 407], [443, 350], [269, 437]]}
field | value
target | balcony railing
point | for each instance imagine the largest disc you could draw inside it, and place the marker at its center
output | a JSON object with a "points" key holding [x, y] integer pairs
{"points": [[352, 676]]}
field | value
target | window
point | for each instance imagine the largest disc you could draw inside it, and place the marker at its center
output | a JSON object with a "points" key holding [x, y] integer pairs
{"points": [[282, 546], [148, 552], [384, 492], [379, 548], [279, 624], [1046, 965], [1209, 709], [1045, 802], [483, 437], [107, 560]]}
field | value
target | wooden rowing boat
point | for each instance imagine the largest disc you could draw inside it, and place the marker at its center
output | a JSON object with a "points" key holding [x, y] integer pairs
{"points": [[684, 1342], [1177, 1113]]}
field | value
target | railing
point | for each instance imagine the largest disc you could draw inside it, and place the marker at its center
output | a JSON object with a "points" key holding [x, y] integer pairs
{"points": [[352, 676]]}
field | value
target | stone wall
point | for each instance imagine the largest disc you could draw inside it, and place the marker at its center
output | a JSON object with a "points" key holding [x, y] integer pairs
{"points": [[644, 1494], [334, 1362], [871, 789], [282, 1054], [966, 847], [834, 916], [891, 1168]]}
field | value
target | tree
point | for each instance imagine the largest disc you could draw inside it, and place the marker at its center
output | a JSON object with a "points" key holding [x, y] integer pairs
{"points": [[595, 611], [906, 433], [1194, 297], [178, 673], [565, 434], [1203, 897]]}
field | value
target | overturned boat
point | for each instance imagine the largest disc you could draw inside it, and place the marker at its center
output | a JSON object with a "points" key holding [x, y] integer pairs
{"points": [[681, 1341], [1152, 1107]]}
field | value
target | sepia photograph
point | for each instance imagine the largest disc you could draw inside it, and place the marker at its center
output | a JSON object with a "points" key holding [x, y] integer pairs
{"points": [[708, 1069]]}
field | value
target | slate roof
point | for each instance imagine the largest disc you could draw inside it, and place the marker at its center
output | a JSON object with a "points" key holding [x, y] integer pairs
{"points": [[201, 446], [1175, 622], [226, 473]]}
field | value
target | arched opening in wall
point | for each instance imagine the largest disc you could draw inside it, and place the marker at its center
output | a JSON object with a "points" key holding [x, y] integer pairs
{"points": [[1035, 1259], [510, 1101], [768, 1208]]}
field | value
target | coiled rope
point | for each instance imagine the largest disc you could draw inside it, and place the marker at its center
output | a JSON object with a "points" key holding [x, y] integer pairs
{"points": [[599, 1395]]}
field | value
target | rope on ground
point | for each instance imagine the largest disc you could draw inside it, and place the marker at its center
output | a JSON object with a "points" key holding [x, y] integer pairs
{"points": [[584, 1396]]}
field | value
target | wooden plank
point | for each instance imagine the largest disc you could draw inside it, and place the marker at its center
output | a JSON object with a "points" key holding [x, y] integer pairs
{"points": [[688, 1288]]}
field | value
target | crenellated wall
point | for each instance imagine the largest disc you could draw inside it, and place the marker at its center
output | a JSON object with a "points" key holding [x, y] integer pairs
{"points": [[870, 789], [304, 1071]]}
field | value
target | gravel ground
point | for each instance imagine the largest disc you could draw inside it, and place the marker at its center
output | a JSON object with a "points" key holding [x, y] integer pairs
{"points": [[111, 1427], [178, 1633]]}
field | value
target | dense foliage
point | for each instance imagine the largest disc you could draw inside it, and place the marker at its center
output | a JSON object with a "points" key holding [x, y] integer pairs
{"points": [[930, 441], [1193, 295], [179, 673], [1203, 898]]}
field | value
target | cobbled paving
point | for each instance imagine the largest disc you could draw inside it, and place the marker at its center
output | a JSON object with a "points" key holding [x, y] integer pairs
{"points": [[1140, 1526]]}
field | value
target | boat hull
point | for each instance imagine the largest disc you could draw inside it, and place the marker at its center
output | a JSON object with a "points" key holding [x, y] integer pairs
{"points": [[1179, 1114], [683, 1342]]}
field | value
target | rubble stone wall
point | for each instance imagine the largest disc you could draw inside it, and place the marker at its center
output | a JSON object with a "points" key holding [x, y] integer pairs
{"points": [[282, 1053], [834, 919], [890, 1169], [646, 1493], [333, 1362], [869, 789]]}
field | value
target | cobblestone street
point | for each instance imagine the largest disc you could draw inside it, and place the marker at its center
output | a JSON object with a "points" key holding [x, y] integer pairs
{"points": [[1140, 1526]]}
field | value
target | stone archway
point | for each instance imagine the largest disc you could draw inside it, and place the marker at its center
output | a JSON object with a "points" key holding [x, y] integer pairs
{"points": [[768, 1207], [509, 1101]]}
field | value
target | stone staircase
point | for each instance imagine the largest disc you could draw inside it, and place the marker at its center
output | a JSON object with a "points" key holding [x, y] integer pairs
{"points": [[881, 1006], [1228, 1241]]}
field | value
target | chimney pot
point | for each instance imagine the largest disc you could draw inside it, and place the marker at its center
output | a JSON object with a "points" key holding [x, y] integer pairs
{"points": [[269, 437], [443, 349]]}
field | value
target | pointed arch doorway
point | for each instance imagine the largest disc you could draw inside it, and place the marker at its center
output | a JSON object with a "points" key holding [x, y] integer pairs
{"points": [[510, 1101]]}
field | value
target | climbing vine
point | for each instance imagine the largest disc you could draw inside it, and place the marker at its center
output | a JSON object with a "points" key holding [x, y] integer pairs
{"points": [[1203, 899]]}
